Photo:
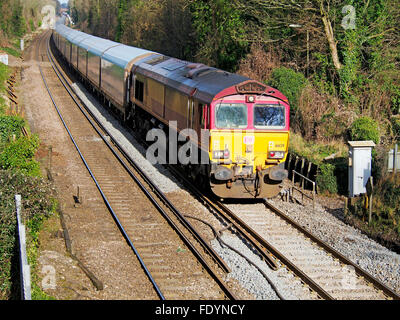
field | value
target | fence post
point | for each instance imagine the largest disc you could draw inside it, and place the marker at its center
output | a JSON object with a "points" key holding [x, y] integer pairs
{"points": [[370, 190], [25, 272], [395, 158]]}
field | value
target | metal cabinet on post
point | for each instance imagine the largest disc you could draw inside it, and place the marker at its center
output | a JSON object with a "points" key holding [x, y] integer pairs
{"points": [[360, 165]]}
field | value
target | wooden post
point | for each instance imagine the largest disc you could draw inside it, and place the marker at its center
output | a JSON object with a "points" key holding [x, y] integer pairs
{"points": [[79, 195], [49, 164], [308, 172], [370, 189], [50, 156]]}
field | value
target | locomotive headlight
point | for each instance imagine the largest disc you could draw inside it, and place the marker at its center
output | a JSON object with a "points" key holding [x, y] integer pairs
{"points": [[276, 155], [221, 154], [250, 99]]}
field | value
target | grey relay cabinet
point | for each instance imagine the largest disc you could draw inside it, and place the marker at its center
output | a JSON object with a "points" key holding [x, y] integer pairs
{"points": [[360, 164]]}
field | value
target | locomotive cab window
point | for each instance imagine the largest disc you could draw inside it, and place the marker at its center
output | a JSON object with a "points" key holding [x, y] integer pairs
{"points": [[231, 116], [139, 90], [269, 116]]}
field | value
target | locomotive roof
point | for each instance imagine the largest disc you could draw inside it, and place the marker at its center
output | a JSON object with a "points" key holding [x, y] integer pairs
{"points": [[205, 82]]}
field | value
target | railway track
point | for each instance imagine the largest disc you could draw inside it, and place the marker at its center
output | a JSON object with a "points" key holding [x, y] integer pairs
{"points": [[319, 266], [331, 276], [339, 277], [150, 224]]}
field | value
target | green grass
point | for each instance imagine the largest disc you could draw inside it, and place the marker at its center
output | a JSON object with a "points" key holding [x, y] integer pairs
{"points": [[11, 51], [19, 174], [4, 74]]}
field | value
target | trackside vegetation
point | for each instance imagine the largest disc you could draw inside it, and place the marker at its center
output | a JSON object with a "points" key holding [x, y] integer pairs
{"points": [[19, 171], [20, 174]]}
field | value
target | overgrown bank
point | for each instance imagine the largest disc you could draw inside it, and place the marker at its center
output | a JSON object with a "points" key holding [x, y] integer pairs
{"points": [[19, 174]]}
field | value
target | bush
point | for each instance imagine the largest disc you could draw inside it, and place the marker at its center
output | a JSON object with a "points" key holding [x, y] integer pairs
{"points": [[326, 179], [10, 125], [19, 156], [365, 128], [387, 202], [290, 83], [37, 203], [396, 127]]}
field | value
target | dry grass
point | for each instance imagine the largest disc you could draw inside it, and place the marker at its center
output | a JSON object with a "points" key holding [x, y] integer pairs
{"points": [[259, 63], [317, 151], [321, 117]]}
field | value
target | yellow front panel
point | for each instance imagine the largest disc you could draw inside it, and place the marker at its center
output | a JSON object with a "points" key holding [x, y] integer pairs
{"points": [[249, 148]]}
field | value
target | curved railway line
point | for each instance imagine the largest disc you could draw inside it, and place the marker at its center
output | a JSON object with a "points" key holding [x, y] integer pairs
{"points": [[339, 277], [134, 203], [277, 239]]}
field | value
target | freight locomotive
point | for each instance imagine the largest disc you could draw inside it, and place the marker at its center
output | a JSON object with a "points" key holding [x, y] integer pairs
{"points": [[247, 122]]}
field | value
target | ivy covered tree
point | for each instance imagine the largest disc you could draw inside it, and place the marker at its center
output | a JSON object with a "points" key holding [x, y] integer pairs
{"points": [[220, 33], [18, 17], [17, 20]]}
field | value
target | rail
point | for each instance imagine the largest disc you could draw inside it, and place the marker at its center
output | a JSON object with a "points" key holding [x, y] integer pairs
{"points": [[157, 289], [334, 253], [152, 186], [269, 253]]}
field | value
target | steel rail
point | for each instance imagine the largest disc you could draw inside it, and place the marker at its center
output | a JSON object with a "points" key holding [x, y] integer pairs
{"points": [[143, 175], [361, 272], [154, 188], [225, 212], [251, 236], [158, 290]]}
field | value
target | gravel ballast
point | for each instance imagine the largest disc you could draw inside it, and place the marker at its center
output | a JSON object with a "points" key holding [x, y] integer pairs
{"points": [[374, 258], [165, 181]]}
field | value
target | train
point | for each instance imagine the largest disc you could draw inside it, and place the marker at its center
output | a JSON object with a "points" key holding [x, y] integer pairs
{"points": [[239, 127]]}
